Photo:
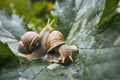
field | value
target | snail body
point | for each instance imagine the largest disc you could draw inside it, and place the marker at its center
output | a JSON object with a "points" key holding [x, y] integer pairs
{"points": [[47, 42]]}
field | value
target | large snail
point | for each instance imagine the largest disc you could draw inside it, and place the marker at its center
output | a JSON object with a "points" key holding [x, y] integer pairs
{"points": [[47, 42]]}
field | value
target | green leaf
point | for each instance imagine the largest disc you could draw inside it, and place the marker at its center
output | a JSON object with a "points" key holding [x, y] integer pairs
{"points": [[11, 29], [99, 49], [66, 15], [7, 58], [109, 11], [4, 50]]}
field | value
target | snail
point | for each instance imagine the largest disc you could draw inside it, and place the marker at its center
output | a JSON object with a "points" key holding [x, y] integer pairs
{"points": [[29, 46], [48, 42], [55, 43]]}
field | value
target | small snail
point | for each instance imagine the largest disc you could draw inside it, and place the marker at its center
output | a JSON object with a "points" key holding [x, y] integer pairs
{"points": [[30, 40], [47, 42], [29, 46]]}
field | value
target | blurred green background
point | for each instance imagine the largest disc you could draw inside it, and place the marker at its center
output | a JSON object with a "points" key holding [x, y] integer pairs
{"points": [[34, 12]]}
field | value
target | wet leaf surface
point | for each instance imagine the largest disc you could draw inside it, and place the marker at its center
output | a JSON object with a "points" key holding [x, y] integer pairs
{"points": [[7, 58], [99, 49], [11, 29], [109, 12]]}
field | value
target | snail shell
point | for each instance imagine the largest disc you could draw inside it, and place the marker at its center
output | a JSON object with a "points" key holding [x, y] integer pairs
{"points": [[30, 47], [30, 40], [54, 39], [22, 48]]}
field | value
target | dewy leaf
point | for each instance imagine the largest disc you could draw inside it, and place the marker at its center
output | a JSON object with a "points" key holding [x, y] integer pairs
{"points": [[65, 12], [109, 11], [4, 50], [7, 58], [99, 52], [11, 29], [14, 25]]}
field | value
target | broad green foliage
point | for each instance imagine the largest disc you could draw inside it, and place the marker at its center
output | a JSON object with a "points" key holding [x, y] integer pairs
{"points": [[99, 48], [109, 12], [66, 13], [7, 58], [11, 30]]}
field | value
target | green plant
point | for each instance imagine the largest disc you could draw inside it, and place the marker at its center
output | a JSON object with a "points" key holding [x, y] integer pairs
{"points": [[83, 23]]}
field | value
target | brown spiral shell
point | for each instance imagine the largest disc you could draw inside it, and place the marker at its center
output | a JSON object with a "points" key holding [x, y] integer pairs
{"points": [[54, 39]]}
